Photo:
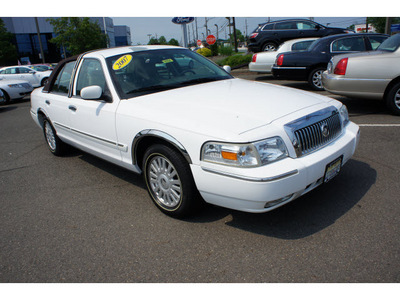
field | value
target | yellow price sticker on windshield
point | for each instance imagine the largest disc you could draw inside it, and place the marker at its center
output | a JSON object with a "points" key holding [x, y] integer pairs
{"points": [[165, 61], [122, 62]]}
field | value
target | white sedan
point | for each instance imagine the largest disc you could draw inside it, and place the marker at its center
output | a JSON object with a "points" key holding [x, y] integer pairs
{"points": [[15, 89], [194, 132], [35, 78], [263, 61]]}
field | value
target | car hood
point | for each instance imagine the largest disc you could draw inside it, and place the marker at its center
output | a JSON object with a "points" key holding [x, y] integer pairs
{"points": [[223, 108]]}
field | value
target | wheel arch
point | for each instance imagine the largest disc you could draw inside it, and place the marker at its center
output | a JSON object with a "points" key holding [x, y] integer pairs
{"points": [[390, 85], [149, 137], [41, 115]]}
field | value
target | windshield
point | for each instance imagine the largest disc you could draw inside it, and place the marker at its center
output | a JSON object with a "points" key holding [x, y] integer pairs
{"points": [[143, 72], [391, 44]]}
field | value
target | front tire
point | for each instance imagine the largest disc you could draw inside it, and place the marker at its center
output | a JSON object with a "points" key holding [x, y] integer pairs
{"points": [[170, 182], [315, 79], [56, 146], [393, 99]]}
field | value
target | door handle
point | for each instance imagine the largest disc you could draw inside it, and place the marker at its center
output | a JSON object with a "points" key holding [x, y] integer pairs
{"points": [[73, 108]]}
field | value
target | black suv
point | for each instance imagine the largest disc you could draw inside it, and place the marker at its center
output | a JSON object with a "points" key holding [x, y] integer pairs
{"points": [[268, 36]]}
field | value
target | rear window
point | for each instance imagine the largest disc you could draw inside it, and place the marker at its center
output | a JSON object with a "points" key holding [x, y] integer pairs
{"points": [[391, 44], [301, 46]]}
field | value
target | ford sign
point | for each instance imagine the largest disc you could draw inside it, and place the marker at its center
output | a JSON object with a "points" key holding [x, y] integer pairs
{"points": [[182, 20]]}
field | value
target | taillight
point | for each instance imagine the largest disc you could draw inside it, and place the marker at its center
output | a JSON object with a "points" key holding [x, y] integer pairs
{"points": [[279, 60], [254, 58], [253, 35], [341, 67]]}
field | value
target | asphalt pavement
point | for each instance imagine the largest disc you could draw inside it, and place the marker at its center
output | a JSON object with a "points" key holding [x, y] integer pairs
{"points": [[80, 219]]}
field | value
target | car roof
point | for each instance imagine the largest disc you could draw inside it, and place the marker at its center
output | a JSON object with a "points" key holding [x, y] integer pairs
{"points": [[286, 20], [124, 49]]}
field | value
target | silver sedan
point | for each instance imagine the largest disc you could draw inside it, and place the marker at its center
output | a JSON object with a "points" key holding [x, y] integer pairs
{"points": [[374, 74]]}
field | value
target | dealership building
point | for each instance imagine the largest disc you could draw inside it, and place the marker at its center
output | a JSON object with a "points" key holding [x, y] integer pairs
{"points": [[27, 29]]}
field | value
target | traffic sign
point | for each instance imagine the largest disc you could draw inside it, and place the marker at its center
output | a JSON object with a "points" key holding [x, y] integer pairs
{"points": [[199, 43], [211, 39]]}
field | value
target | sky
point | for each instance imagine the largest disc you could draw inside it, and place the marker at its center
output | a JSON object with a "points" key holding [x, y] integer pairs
{"points": [[142, 27], [154, 16]]}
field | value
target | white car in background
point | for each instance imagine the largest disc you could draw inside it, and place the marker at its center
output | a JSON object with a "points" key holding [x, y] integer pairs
{"points": [[35, 78], [188, 130], [15, 89], [263, 61]]}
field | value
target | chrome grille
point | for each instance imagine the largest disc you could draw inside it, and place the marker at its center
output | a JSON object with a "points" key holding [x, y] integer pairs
{"points": [[314, 131], [317, 135]]}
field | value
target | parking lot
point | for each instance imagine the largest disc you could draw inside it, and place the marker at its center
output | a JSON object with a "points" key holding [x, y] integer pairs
{"points": [[81, 219]]}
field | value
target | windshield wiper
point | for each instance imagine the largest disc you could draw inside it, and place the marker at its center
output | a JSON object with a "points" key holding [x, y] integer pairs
{"points": [[153, 88], [202, 80]]}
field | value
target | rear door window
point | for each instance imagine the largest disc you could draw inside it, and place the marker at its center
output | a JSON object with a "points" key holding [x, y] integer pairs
{"points": [[351, 44], [62, 82]]}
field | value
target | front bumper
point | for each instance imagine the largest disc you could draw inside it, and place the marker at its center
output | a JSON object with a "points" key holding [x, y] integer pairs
{"points": [[265, 188]]}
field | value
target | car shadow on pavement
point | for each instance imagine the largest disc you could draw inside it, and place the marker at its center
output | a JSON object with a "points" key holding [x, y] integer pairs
{"points": [[362, 107], [112, 169], [310, 213], [7, 108]]}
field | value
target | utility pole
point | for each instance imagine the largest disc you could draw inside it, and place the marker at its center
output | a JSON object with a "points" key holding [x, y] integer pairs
{"points": [[40, 40], [234, 35], [206, 25], [388, 25], [217, 31], [366, 24], [229, 26], [197, 33]]}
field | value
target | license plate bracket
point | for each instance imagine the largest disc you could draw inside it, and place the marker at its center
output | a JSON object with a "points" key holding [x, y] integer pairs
{"points": [[333, 168]]}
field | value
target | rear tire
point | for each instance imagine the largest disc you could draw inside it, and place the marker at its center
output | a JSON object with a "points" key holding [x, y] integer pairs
{"points": [[315, 79], [269, 46], [56, 146], [393, 99], [170, 182]]}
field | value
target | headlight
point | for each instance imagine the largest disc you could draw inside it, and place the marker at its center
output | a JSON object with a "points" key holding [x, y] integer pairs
{"points": [[344, 115], [15, 85], [245, 155]]}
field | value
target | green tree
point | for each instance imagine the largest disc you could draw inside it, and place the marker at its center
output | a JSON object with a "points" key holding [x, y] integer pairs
{"points": [[239, 36], [162, 40], [8, 52], [77, 35], [153, 41], [380, 22], [173, 42]]}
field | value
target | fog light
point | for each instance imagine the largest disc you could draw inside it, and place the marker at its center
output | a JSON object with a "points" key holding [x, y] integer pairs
{"points": [[276, 202]]}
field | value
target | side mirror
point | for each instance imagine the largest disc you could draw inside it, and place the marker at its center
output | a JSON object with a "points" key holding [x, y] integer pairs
{"points": [[227, 69], [92, 92], [32, 72]]}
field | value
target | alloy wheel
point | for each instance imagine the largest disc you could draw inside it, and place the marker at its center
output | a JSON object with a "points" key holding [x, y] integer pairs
{"points": [[164, 182]]}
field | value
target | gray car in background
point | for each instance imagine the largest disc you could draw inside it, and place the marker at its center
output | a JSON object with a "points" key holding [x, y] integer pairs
{"points": [[373, 74]]}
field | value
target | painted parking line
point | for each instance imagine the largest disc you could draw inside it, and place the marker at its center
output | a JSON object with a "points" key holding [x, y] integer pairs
{"points": [[379, 125]]}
